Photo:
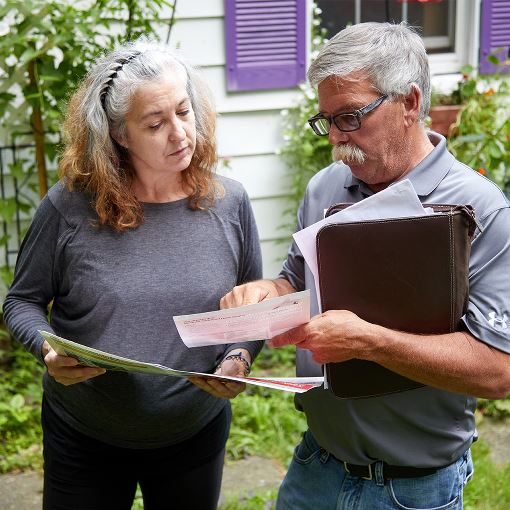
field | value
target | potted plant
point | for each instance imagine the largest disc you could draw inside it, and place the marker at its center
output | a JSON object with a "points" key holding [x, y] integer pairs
{"points": [[445, 107], [443, 111]]}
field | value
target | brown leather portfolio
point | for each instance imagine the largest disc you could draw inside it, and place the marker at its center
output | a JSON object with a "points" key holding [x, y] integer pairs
{"points": [[407, 274]]}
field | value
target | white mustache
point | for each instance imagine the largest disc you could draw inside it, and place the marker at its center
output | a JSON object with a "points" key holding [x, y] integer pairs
{"points": [[348, 154]]}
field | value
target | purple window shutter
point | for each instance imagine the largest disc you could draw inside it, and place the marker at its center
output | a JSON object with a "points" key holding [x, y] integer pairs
{"points": [[266, 41], [495, 34]]}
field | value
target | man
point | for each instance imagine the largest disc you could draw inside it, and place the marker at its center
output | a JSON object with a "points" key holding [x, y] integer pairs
{"points": [[409, 449]]}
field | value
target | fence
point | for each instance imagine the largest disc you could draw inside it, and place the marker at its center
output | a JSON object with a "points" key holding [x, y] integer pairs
{"points": [[19, 197]]}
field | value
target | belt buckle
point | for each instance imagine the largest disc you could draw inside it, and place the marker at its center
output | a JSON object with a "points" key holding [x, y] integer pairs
{"points": [[369, 477]]}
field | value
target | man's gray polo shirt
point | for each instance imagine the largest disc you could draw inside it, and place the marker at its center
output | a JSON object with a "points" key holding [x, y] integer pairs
{"points": [[426, 426]]}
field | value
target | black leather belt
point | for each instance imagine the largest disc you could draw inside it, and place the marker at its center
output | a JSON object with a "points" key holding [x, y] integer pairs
{"points": [[367, 472]]}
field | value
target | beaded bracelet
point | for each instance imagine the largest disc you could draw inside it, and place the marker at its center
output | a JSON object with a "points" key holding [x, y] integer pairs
{"points": [[239, 357]]}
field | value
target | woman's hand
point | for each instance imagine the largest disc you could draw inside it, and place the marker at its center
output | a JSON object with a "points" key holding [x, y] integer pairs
{"points": [[222, 388], [66, 370]]}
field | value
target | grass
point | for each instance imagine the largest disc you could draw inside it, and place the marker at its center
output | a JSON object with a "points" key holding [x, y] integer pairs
{"points": [[264, 423], [489, 489], [264, 500]]}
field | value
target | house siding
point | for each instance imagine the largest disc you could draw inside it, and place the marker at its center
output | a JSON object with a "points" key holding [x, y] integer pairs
{"points": [[249, 122]]}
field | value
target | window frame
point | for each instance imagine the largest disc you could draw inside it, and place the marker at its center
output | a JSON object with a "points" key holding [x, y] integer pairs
{"points": [[467, 23], [466, 46]]}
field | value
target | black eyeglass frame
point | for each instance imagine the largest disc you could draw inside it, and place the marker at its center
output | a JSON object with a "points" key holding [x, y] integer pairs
{"points": [[358, 114]]}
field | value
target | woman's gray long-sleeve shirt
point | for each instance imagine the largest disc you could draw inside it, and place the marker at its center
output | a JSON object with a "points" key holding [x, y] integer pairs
{"points": [[118, 292]]}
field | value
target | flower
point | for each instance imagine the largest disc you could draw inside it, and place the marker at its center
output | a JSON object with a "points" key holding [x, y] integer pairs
{"points": [[482, 171]]}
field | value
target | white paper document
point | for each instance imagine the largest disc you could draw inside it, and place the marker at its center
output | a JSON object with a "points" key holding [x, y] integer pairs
{"points": [[89, 356], [245, 323], [397, 201]]}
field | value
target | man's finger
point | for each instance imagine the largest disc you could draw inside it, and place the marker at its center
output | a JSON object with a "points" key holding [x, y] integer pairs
{"points": [[291, 337]]}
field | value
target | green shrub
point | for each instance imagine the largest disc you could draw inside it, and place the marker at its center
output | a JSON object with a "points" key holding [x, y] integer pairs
{"points": [[303, 152], [481, 136], [46, 47], [281, 361], [20, 409], [266, 423], [494, 408]]}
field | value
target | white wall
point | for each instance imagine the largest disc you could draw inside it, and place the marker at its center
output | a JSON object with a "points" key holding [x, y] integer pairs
{"points": [[249, 123]]}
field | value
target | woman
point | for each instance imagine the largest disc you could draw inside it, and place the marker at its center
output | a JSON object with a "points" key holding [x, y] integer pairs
{"points": [[137, 230]]}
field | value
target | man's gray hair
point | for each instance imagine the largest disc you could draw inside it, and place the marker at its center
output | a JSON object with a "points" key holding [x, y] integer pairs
{"points": [[392, 56], [118, 74]]}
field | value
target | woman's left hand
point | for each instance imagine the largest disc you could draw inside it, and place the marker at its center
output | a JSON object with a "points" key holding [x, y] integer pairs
{"points": [[222, 388]]}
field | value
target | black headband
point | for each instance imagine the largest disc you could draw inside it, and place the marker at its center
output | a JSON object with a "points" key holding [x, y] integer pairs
{"points": [[120, 63]]}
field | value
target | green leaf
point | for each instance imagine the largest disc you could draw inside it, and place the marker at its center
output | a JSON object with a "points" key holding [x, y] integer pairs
{"points": [[47, 77], [493, 59], [6, 96], [25, 207], [33, 95], [28, 55], [8, 209], [16, 170], [494, 150], [467, 69], [17, 402], [469, 138]]}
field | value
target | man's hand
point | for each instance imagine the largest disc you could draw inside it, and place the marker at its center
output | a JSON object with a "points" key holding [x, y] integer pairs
{"points": [[255, 292], [66, 370], [336, 335], [220, 388]]}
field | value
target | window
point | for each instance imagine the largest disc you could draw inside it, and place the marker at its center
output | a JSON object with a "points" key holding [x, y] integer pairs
{"points": [[435, 17]]}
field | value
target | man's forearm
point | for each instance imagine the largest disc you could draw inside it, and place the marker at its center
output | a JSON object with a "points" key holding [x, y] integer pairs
{"points": [[455, 362]]}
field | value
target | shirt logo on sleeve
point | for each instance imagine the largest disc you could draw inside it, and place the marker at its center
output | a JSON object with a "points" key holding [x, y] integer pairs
{"points": [[494, 320]]}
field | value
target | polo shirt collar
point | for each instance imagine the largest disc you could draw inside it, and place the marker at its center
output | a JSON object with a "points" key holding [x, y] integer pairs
{"points": [[426, 176]]}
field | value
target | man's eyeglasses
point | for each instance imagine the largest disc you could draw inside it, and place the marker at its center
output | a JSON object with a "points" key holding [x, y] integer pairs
{"points": [[350, 121]]}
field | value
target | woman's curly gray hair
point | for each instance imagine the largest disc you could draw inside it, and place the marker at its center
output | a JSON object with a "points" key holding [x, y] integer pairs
{"points": [[95, 163]]}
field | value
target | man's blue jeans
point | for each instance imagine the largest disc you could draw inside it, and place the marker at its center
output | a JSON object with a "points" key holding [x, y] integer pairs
{"points": [[318, 481]]}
